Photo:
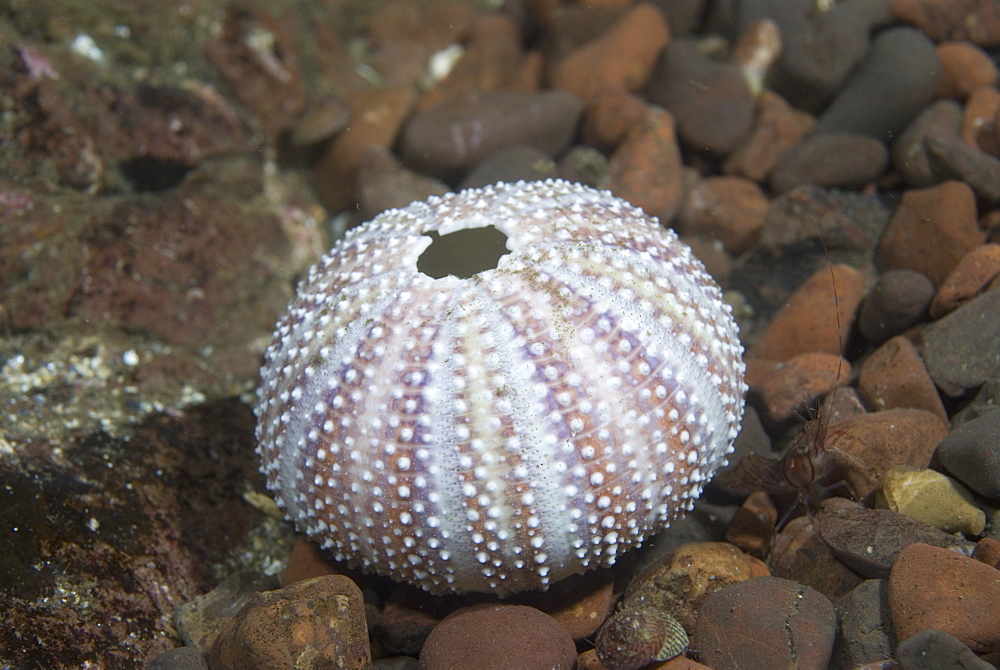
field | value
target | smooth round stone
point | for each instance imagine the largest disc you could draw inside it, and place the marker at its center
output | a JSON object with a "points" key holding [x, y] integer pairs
{"points": [[498, 637]]}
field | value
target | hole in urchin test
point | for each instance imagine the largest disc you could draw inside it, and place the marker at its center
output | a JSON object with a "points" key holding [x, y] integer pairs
{"points": [[463, 253]]}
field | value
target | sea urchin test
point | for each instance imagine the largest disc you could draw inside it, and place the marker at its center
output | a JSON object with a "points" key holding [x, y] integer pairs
{"points": [[498, 388]]}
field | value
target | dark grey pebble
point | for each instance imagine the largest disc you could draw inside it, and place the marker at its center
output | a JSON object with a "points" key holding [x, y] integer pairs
{"points": [[844, 160], [511, 164], [450, 138], [765, 623], [951, 157], [898, 301], [962, 349], [710, 100], [865, 626], [936, 650], [585, 165], [909, 154], [180, 658], [819, 48], [384, 183], [895, 81], [868, 540], [971, 452]]}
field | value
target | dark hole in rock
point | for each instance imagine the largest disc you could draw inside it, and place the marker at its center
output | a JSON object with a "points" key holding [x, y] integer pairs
{"points": [[148, 174], [463, 253]]}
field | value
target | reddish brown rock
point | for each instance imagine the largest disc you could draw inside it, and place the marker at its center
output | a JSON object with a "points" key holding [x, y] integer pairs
{"points": [[977, 21], [498, 637], [931, 230], [321, 618], [766, 623], [306, 561], [935, 588], [964, 68], [609, 115], [728, 209], [863, 447], [646, 167], [895, 376], [580, 603], [776, 126], [978, 123], [794, 384], [753, 524], [377, 116], [988, 551], [680, 583], [623, 56], [809, 321], [971, 275]]}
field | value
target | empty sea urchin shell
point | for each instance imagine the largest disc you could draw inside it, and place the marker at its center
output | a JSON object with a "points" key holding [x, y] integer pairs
{"points": [[506, 430]]}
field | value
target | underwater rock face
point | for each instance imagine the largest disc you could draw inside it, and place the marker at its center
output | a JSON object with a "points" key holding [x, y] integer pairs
{"points": [[505, 430]]}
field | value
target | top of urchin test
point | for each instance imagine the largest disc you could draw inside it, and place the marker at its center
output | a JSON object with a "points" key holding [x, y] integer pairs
{"points": [[500, 423]]}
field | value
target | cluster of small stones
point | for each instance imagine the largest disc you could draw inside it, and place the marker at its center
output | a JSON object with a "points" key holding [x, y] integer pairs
{"points": [[500, 432]]}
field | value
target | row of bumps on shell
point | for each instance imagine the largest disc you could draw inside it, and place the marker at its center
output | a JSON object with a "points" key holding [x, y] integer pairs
{"points": [[501, 432]]}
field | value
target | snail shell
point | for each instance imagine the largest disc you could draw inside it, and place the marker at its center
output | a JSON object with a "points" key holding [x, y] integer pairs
{"points": [[504, 430]]}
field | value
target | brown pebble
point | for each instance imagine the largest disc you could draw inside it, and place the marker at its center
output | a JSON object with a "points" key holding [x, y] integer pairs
{"points": [[897, 302], [788, 625], [623, 56], [964, 68], [610, 113], [497, 637], [728, 209], [835, 159], [977, 21], [777, 126], [580, 603], [894, 376], [931, 230], [800, 554], [646, 167], [753, 524], [306, 561], [793, 385], [971, 275], [321, 120], [512, 164], [988, 551], [385, 183], [809, 321], [680, 583], [377, 116], [323, 618], [862, 448], [930, 587], [978, 126], [453, 136]]}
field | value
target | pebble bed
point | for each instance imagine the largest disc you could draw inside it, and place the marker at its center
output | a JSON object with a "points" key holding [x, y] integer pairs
{"points": [[836, 167]]}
